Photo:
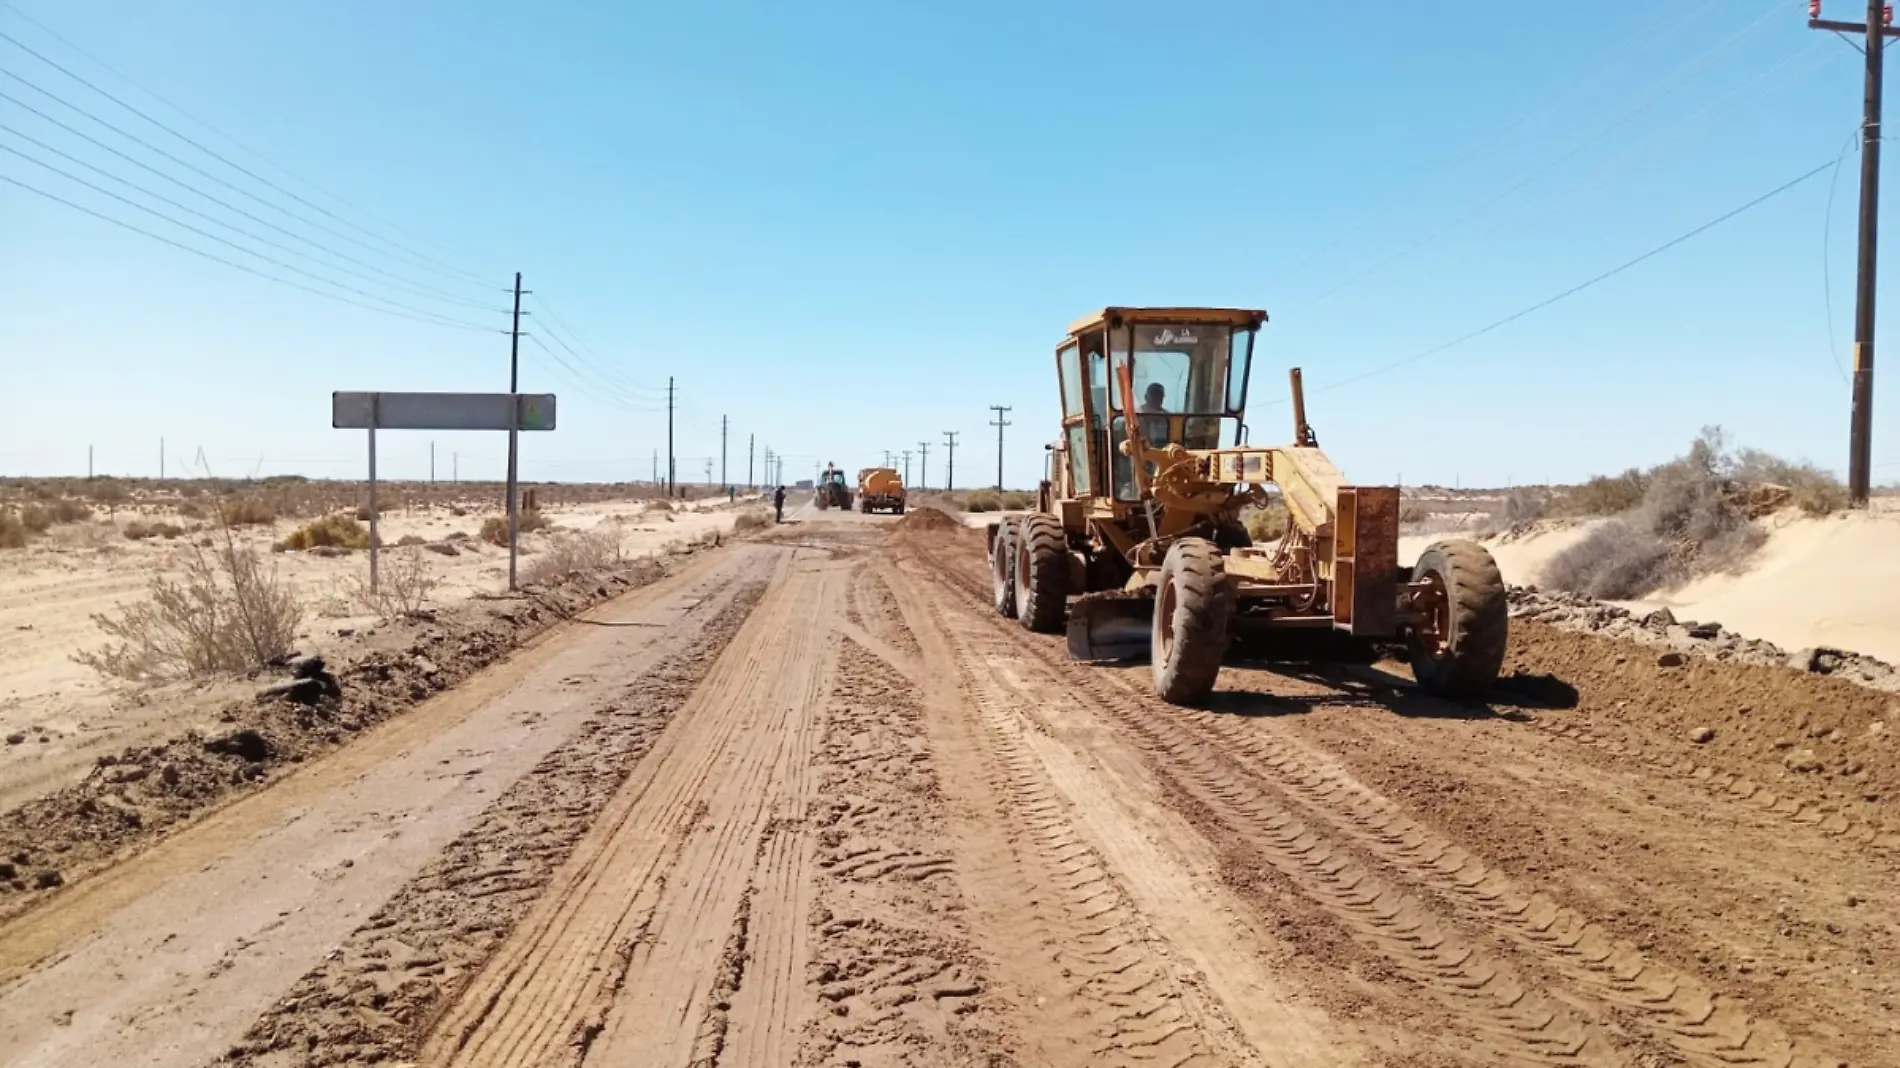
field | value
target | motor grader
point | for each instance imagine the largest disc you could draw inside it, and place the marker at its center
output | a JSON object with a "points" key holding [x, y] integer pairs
{"points": [[1137, 541]]}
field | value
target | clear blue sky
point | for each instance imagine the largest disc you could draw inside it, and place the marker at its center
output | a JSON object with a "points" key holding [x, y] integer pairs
{"points": [[851, 227]]}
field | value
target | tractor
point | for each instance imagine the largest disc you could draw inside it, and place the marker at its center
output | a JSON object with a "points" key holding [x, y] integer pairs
{"points": [[833, 490], [1137, 543]]}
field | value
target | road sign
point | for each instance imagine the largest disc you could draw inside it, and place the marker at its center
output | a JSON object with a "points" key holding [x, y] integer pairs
{"points": [[512, 412], [351, 410]]}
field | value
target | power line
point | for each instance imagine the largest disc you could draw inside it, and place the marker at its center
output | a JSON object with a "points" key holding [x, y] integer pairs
{"points": [[1671, 84], [581, 382], [621, 396], [192, 167], [628, 384], [214, 237], [17, 43], [225, 204], [1574, 290], [432, 320], [208, 217]]}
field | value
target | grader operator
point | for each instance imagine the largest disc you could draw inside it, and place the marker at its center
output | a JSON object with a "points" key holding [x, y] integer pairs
{"points": [[1139, 521]]}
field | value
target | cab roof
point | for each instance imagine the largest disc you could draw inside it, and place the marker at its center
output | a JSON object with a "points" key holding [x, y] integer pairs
{"points": [[1112, 316]]}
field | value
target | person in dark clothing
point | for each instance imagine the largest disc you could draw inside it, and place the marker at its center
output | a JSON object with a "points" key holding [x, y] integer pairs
{"points": [[778, 504]]}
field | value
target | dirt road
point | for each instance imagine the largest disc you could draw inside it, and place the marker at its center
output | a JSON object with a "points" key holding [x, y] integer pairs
{"points": [[811, 802]]}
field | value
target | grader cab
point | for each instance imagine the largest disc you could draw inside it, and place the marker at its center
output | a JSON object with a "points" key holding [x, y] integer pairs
{"points": [[1138, 545]]}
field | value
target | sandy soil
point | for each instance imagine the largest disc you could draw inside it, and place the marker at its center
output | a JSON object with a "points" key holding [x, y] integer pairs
{"points": [[809, 801], [63, 714]]}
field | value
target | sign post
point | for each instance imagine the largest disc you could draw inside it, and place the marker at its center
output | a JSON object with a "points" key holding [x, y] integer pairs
{"points": [[511, 412]]}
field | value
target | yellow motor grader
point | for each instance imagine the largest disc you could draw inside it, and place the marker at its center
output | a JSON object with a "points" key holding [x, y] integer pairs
{"points": [[1138, 544]]}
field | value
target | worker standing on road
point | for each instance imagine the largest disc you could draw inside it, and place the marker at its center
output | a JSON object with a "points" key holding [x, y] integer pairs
{"points": [[778, 504]]}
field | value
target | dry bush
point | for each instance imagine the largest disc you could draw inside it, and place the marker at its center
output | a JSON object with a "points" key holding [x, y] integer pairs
{"points": [[247, 511], [67, 510], [1603, 495], [495, 528], [982, 501], [335, 531], [403, 585], [1018, 500], [12, 531], [1524, 505], [1413, 514], [139, 531], [228, 613], [108, 492], [1686, 525], [752, 519], [1811, 489], [1265, 524], [568, 554], [411, 539], [36, 518]]}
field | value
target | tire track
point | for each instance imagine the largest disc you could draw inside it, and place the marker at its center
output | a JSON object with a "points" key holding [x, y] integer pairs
{"points": [[892, 965], [1119, 999], [375, 994], [1511, 1017], [607, 967], [1225, 759]]}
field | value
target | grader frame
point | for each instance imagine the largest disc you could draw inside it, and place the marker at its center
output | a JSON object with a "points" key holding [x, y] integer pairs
{"points": [[1138, 544]]}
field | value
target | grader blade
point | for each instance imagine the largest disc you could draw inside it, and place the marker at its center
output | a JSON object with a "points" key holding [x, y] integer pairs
{"points": [[1113, 625]]}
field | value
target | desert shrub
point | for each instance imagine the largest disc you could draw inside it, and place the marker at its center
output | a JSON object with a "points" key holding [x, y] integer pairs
{"points": [[1018, 500], [109, 492], [752, 519], [36, 519], [982, 501], [1265, 524], [1524, 505], [1811, 489], [411, 539], [335, 531], [572, 553], [12, 531], [228, 613], [247, 511], [1412, 514], [67, 510], [191, 510], [1688, 523], [495, 527], [137, 531], [403, 585], [1604, 495]]}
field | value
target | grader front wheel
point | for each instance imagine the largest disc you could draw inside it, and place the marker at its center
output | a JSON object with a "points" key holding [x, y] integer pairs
{"points": [[1042, 573], [1003, 571], [1457, 649], [1193, 606]]}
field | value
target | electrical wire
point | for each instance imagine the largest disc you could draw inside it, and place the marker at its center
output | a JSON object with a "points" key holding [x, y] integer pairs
{"points": [[625, 384], [69, 176], [621, 396], [160, 197], [1827, 273], [1673, 82], [225, 204], [17, 43], [1589, 74], [425, 317], [587, 389], [1576, 289], [147, 145]]}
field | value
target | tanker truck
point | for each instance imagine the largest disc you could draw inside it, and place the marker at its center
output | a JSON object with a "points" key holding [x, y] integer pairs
{"points": [[880, 490]]}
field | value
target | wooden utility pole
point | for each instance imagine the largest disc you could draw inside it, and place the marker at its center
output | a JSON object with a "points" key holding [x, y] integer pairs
{"points": [[1874, 32], [950, 469], [669, 435], [750, 484], [722, 451], [923, 463], [514, 433], [906, 455], [999, 424]]}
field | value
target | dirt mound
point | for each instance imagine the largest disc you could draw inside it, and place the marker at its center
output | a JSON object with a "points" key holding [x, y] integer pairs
{"points": [[1800, 734], [927, 518]]}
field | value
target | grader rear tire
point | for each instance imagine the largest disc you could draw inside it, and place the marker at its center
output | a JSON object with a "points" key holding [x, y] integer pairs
{"points": [[1460, 651], [1193, 607], [1003, 571], [1042, 574]]}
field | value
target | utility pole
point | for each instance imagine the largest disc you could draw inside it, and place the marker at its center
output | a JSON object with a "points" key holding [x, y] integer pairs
{"points": [[887, 457], [708, 470], [999, 423], [89, 463], [768, 467], [950, 469], [748, 463], [161, 459], [722, 450], [923, 464], [1860, 433], [431, 463], [669, 435], [906, 467], [514, 432], [455, 467]]}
